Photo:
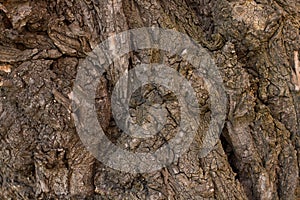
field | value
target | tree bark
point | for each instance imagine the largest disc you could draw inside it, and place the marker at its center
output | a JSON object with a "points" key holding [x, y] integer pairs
{"points": [[254, 44]]}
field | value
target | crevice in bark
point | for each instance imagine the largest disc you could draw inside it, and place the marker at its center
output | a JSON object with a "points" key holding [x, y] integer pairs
{"points": [[228, 149]]}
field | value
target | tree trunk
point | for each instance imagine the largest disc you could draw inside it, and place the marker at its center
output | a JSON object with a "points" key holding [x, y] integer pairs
{"points": [[254, 45]]}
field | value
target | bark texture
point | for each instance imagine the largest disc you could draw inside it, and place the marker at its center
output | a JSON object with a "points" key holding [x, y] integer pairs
{"points": [[253, 43]]}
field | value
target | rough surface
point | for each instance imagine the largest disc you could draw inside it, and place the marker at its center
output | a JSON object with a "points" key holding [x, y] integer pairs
{"points": [[253, 43]]}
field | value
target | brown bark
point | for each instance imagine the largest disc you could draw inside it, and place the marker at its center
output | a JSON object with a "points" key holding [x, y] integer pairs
{"points": [[253, 43]]}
